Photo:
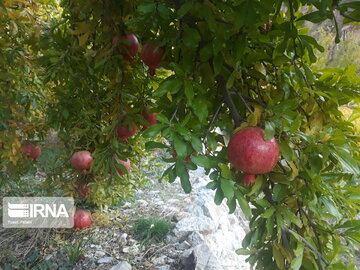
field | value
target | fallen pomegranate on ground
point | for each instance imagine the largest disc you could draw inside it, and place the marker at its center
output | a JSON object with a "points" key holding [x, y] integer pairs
{"points": [[249, 179], [31, 151], [81, 161], [250, 153], [129, 46], [152, 55], [82, 219], [126, 164], [151, 118]]}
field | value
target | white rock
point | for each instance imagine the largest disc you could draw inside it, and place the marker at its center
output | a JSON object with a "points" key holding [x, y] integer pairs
{"points": [[131, 250], [99, 253], [105, 260], [121, 266], [159, 260], [142, 203], [123, 238], [163, 267], [196, 224]]}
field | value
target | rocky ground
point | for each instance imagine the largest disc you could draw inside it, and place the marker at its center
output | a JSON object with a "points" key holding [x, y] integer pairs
{"points": [[203, 236]]}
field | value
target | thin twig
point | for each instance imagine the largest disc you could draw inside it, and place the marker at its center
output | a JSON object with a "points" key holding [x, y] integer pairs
{"points": [[349, 17], [214, 117], [244, 101], [228, 100], [318, 254], [174, 114]]}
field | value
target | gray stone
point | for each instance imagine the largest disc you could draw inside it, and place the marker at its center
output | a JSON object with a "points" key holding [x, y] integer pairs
{"points": [[142, 203], [159, 260], [105, 260], [196, 224], [131, 250], [123, 238], [122, 266], [99, 253], [163, 267]]}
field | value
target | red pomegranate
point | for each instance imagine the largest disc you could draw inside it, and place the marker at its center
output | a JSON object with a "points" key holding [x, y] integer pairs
{"points": [[250, 153], [81, 161], [152, 55], [126, 164], [151, 118], [125, 132], [31, 151], [83, 189], [249, 179], [82, 219], [129, 44]]}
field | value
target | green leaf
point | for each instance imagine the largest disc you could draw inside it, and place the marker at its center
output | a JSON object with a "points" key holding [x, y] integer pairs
{"points": [[180, 147], [244, 251], [200, 109], [315, 17], [212, 185], [227, 187], [269, 212], [206, 162], [232, 205], [279, 192], [269, 130], [185, 8], [147, 8], [348, 163], [189, 91], [182, 172], [169, 85], [152, 145], [153, 130], [191, 37], [299, 252], [172, 175], [219, 196], [279, 258], [286, 151], [196, 144], [244, 205], [225, 171], [218, 63]]}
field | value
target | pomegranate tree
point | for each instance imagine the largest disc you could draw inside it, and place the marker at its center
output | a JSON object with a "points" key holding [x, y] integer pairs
{"points": [[31, 151], [152, 55], [250, 153], [82, 219], [151, 118], [81, 161], [129, 45], [126, 164]]}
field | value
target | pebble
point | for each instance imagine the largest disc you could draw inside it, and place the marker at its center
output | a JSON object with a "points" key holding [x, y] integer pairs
{"points": [[131, 250], [121, 266], [159, 260], [163, 267], [99, 253], [105, 260]]}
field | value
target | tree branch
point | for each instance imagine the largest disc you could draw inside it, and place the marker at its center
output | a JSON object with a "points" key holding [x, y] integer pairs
{"points": [[311, 247], [349, 17], [228, 100]]}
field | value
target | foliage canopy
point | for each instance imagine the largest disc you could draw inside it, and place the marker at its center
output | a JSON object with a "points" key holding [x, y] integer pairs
{"points": [[228, 64]]}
